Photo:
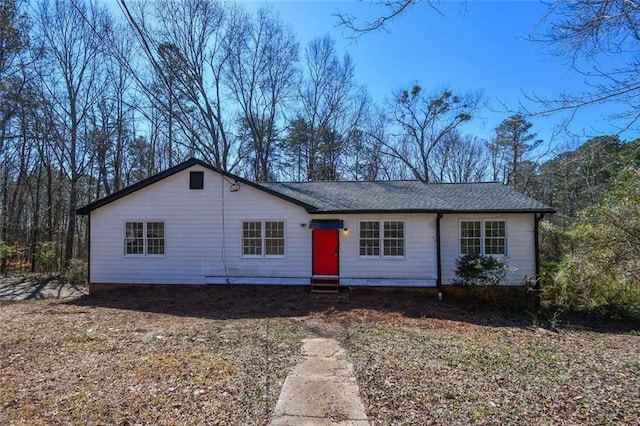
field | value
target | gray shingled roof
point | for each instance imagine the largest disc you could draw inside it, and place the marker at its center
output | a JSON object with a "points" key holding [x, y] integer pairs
{"points": [[407, 196], [367, 197]]}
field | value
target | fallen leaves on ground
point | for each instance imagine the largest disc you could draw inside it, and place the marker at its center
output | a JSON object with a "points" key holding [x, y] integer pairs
{"points": [[65, 363], [219, 355], [488, 368]]}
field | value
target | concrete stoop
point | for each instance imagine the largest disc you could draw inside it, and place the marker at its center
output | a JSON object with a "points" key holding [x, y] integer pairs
{"points": [[321, 390]]}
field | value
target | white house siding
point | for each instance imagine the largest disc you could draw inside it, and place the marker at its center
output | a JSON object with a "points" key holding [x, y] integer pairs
{"points": [[198, 223], [417, 267], [520, 243], [194, 233]]}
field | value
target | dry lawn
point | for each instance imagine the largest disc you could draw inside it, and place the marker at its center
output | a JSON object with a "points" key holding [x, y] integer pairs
{"points": [[219, 355]]}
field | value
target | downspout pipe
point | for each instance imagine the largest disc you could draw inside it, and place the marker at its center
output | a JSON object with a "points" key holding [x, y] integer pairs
{"points": [[438, 256], [89, 251]]}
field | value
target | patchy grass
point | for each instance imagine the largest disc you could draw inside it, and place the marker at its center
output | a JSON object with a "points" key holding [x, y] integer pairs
{"points": [[220, 355]]}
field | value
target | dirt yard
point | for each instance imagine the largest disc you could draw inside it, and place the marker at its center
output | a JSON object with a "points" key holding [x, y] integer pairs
{"points": [[219, 355]]}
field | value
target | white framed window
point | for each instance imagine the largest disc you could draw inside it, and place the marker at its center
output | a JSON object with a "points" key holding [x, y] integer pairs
{"points": [[483, 237], [370, 239], [386, 234], [470, 237], [263, 238], [252, 238], [495, 237], [144, 238]]}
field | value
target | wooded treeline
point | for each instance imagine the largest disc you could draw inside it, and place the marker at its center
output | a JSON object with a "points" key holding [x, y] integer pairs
{"points": [[92, 101]]}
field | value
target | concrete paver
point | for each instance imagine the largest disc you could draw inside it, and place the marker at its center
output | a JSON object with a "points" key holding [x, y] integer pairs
{"points": [[321, 390]]}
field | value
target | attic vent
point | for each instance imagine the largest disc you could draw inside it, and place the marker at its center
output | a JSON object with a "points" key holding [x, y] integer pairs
{"points": [[196, 180]]}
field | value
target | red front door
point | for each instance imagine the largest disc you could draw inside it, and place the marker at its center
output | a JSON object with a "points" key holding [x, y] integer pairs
{"points": [[325, 252]]}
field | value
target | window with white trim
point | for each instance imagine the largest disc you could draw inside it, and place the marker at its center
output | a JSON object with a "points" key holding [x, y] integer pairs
{"points": [[391, 239], [264, 238], [144, 238], [484, 237], [369, 238]]}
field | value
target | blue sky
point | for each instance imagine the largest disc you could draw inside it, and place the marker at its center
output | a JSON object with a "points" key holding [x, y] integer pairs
{"points": [[472, 45]]}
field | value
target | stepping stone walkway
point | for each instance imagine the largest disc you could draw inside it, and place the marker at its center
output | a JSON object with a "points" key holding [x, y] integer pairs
{"points": [[321, 390]]}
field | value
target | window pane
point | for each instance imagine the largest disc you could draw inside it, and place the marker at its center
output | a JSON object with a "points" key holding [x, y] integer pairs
{"points": [[252, 238], [274, 238], [470, 234], [251, 229], [134, 246], [394, 238], [495, 237], [134, 241], [133, 230], [274, 229], [155, 238], [369, 239], [155, 246], [470, 246], [155, 230], [274, 247], [252, 246]]}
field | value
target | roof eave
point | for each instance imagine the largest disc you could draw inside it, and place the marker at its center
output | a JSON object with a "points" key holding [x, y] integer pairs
{"points": [[540, 210], [85, 210], [444, 211]]}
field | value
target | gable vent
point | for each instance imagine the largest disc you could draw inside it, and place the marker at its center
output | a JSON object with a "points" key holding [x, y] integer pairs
{"points": [[196, 180]]}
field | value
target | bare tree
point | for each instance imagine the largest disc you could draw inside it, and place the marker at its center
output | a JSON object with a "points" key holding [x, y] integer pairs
{"points": [[601, 39], [262, 78], [388, 10], [123, 103], [14, 42], [170, 110], [460, 159], [202, 34], [423, 122], [73, 81], [332, 106]]}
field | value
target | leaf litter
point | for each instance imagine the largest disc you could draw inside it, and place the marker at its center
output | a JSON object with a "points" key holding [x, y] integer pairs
{"points": [[220, 356]]}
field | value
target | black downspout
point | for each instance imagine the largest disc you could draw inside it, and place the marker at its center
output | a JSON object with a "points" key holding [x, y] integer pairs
{"points": [[438, 257], [536, 234], [89, 251]]}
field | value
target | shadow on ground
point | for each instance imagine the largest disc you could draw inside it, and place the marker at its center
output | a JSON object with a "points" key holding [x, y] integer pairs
{"points": [[366, 305], [36, 287], [236, 302]]}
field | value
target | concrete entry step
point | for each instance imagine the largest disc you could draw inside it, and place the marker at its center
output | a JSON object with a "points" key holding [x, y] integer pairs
{"points": [[321, 390]]}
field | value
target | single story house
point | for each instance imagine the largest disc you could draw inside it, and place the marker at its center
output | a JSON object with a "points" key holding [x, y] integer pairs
{"points": [[195, 224]]}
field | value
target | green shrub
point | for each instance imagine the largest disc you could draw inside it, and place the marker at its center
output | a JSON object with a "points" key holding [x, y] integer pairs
{"points": [[475, 269], [583, 286], [47, 256], [6, 251], [76, 272], [602, 271], [480, 277], [553, 241]]}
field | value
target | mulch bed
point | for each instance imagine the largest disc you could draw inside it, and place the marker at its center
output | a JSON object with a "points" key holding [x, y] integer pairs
{"points": [[219, 355]]}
